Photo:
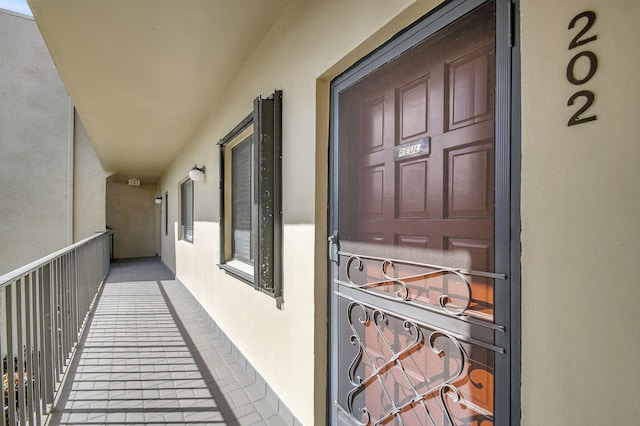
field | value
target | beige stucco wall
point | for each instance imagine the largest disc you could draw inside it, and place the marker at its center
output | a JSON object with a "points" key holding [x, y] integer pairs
{"points": [[51, 182], [89, 187], [580, 208], [131, 213], [580, 220], [34, 110]]}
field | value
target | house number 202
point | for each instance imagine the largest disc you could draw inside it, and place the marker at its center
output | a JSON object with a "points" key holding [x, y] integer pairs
{"points": [[584, 21]]}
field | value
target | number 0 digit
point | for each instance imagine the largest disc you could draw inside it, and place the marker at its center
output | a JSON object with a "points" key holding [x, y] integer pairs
{"points": [[593, 66]]}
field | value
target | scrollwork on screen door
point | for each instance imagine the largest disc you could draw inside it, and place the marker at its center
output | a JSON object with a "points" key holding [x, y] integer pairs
{"points": [[393, 380], [405, 281]]}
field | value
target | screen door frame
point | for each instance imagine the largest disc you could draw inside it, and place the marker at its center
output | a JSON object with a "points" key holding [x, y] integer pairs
{"points": [[507, 190]]}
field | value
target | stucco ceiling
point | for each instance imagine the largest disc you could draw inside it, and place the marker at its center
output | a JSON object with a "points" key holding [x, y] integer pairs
{"points": [[144, 73]]}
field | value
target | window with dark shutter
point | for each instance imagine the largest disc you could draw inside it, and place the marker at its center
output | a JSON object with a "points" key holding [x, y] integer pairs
{"points": [[166, 213], [250, 200], [186, 210]]}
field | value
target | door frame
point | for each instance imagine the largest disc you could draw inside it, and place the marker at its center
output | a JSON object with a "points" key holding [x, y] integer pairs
{"points": [[507, 187]]}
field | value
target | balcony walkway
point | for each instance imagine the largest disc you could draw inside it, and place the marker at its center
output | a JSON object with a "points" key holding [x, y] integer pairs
{"points": [[150, 356]]}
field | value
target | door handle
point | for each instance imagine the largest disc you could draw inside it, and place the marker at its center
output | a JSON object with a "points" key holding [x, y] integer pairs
{"points": [[334, 247]]}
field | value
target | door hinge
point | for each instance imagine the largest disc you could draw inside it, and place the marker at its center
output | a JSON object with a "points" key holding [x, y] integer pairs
{"points": [[334, 248]]}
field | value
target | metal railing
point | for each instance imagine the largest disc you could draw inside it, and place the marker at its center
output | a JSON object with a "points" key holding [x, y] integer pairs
{"points": [[43, 309]]}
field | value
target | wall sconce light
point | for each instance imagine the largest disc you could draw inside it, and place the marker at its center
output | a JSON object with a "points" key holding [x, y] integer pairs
{"points": [[196, 173], [158, 200]]}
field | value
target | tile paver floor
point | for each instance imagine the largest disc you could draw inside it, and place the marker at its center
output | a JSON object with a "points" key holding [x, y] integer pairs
{"points": [[150, 357]]}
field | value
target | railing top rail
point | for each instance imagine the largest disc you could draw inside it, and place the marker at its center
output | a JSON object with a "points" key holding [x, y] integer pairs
{"points": [[24, 270]]}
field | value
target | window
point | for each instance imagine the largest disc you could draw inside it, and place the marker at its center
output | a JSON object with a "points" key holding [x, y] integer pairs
{"points": [[186, 210], [241, 213], [250, 200], [166, 213]]}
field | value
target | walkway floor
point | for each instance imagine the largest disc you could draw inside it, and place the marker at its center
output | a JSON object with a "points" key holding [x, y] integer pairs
{"points": [[151, 357]]}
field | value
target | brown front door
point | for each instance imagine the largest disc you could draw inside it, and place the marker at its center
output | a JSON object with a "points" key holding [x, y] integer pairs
{"points": [[414, 277]]}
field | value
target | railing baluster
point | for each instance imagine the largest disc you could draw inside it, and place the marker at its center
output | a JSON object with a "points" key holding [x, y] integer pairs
{"points": [[74, 297], [59, 287], [53, 301], [47, 332], [60, 309], [71, 319], [3, 345], [71, 307], [82, 287], [67, 321], [11, 386], [37, 345], [64, 311], [28, 343], [20, 355]]}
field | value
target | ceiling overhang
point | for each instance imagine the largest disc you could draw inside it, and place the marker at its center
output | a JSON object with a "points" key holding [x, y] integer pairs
{"points": [[143, 74]]}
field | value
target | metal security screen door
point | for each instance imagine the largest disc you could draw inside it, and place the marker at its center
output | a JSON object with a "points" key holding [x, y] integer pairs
{"points": [[419, 226]]}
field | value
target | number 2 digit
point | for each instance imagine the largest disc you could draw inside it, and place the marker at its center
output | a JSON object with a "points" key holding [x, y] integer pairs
{"points": [[575, 118], [591, 19]]}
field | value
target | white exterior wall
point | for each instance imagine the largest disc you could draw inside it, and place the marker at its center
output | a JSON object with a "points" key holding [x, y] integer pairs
{"points": [[38, 143], [580, 207]]}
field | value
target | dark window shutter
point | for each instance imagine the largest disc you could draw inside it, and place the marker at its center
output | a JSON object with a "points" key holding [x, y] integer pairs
{"points": [[166, 214]]}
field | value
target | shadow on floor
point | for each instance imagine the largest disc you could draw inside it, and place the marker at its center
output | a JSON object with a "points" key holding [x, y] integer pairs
{"points": [[149, 357]]}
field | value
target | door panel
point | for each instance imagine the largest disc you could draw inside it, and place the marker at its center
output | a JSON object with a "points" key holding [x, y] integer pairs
{"points": [[373, 125], [470, 87], [413, 109], [412, 189], [414, 278], [469, 181], [372, 201]]}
